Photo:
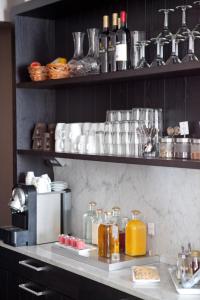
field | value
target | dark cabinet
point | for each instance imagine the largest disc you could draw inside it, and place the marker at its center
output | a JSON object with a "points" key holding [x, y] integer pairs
{"points": [[6, 119], [24, 278]]}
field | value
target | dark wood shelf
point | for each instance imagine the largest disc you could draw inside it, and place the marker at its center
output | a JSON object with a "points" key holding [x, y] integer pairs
{"points": [[150, 161], [192, 68]]}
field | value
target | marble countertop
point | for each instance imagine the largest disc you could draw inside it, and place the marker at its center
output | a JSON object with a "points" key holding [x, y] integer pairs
{"points": [[120, 280]]}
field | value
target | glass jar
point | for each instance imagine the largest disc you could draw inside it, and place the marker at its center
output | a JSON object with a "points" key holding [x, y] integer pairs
{"points": [[99, 219], [195, 261], [116, 215], [195, 149], [166, 149], [122, 229], [136, 235], [88, 219], [108, 238], [182, 148]]}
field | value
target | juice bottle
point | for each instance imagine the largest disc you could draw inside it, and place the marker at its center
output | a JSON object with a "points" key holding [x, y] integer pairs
{"points": [[122, 229], [104, 236], [108, 238], [95, 225], [136, 235]]}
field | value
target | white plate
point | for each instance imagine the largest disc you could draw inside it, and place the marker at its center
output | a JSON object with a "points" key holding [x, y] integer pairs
{"points": [[144, 281]]}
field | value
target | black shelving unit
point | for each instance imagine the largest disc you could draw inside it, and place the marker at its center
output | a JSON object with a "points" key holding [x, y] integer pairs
{"points": [[149, 161], [168, 71], [44, 31]]}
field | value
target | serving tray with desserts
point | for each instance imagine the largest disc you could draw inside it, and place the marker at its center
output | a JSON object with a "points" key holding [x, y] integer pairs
{"points": [[76, 249]]}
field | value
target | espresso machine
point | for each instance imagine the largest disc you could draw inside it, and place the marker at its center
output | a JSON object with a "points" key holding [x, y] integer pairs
{"points": [[37, 218]]}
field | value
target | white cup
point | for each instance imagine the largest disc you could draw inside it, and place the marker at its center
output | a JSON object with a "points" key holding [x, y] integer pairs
{"points": [[75, 130], [91, 144], [29, 178]]}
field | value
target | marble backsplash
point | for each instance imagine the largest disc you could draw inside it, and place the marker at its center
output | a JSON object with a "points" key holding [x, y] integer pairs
{"points": [[168, 197]]}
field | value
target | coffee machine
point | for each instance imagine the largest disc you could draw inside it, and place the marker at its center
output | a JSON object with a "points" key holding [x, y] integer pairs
{"points": [[37, 218]]}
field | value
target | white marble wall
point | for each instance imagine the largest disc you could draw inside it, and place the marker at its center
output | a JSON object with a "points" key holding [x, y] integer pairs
{"points": [[168, 197]]}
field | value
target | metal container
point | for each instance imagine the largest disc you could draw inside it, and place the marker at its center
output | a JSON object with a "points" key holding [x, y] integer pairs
{"points": [[166, 147], [136, 36], [195, 149], [182, 148]]}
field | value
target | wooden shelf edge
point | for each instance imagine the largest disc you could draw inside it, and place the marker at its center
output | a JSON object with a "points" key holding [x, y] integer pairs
{"points": [[192, 68], [150, 161]]}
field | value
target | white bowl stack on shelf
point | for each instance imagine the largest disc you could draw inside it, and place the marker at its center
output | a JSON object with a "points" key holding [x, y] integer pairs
{"points": [[59, 186]]}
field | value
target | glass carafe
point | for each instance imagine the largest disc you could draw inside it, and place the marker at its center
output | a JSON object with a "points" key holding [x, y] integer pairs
{"points": [[91, 61], [75, 64], [136, 235], [88, 219]]}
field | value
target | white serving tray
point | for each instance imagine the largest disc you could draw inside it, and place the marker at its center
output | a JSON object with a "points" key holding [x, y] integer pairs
{"points": [[193, 291], [84, 251], [91, 258]]}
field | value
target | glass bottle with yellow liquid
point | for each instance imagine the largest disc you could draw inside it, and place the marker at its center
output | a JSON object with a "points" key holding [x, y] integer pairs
{"points": [[136, 235]]}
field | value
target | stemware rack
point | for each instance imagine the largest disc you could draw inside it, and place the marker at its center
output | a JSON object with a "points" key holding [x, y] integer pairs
{"points": [[174, 88]]}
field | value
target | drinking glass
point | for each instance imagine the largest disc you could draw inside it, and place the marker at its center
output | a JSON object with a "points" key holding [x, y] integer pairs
{"points": [[86, 127], [100, 142], [183, 31], [136, 36], [82, 144], [91, 144], [111, 115], [109, 127], [142, 62], [173, 59], [75, 64], [116, 126], [165, 32], [158, 61], [197, 27], [190, 56]]}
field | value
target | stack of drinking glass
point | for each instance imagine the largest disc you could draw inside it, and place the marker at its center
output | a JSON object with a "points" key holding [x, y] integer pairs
{"points": [[125, 133], [133, 132]]}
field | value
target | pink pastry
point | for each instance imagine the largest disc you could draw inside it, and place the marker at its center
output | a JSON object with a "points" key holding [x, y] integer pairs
{"points": [[61, 238], [80, 244], [67, 240]]}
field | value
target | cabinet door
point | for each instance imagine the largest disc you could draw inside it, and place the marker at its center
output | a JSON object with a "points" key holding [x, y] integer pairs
{"points": [[32, 291], [8, 285]]}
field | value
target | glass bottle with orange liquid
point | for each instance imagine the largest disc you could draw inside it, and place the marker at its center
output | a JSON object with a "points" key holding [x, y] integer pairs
{"points": [[136, 235], [108, 238]]}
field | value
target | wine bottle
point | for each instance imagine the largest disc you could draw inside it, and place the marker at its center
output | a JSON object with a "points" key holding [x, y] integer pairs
{"points": [[112, 67], [123, 44], [103, 45]]}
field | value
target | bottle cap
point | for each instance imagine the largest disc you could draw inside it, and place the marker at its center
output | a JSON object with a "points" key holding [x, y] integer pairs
{"points": [[116, 208], [92, 204], [119, 23], [136, 212], [99, 211], [114, 19], [123, 16], [195, 253], [105, 21]]}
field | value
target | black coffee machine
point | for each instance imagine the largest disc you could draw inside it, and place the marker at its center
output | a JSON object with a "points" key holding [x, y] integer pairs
{"points": [[37, 218]]}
